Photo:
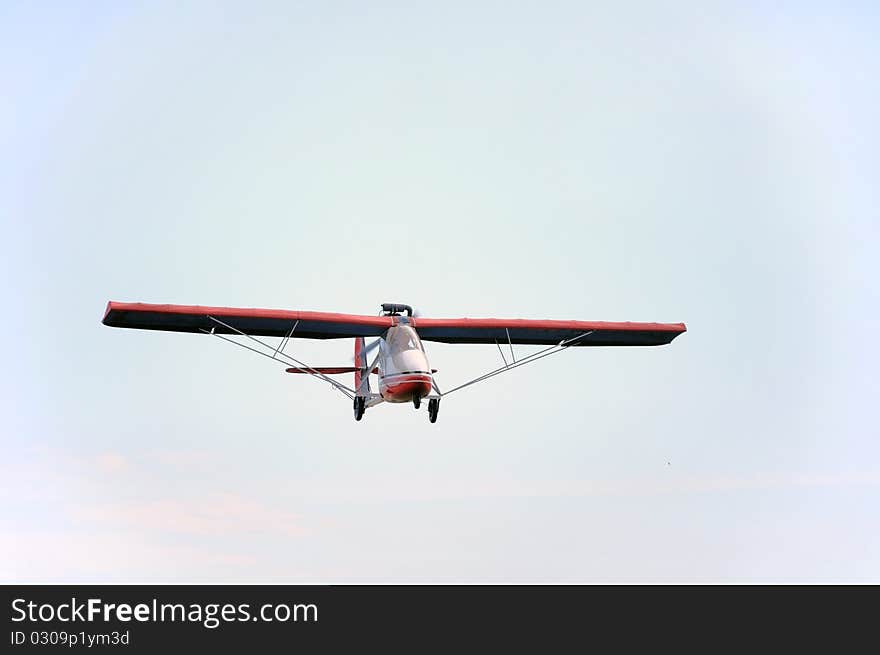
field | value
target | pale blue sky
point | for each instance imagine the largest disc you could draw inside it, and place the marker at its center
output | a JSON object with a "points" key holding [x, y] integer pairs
{"points": [[713, 163]]}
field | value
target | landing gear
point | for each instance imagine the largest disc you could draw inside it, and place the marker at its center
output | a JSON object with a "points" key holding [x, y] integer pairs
{"points": [[360, 404], [433, 409], [417, 401]]}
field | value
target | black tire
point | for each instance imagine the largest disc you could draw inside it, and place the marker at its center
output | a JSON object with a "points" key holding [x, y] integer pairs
{"points": [[433, 409], [417, 401], [359, 407]]}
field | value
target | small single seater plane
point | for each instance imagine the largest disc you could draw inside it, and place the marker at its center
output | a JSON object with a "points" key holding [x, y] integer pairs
{"points": [[401, 364]]}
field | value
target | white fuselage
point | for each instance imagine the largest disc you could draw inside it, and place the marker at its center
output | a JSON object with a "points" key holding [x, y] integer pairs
{"points": [[404, 372]]}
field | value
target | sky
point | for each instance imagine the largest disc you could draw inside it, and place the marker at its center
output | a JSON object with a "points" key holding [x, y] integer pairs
{"points": [[710, 163]]}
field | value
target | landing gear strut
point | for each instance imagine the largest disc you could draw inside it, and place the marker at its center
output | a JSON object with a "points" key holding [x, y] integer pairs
{"points": [[360, 404], [433, 409]]}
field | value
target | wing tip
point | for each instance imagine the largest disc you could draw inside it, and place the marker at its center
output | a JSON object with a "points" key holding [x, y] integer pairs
{"points": [[106, 318], [677, 331]]}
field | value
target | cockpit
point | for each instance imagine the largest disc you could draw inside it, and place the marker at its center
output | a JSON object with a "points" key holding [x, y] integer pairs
{"points": [[402, 338]]}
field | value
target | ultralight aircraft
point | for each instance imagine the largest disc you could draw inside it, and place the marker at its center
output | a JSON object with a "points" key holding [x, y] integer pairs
{"points": [[404, 375]]}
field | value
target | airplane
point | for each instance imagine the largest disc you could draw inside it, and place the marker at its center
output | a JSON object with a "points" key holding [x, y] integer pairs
{"points": [[401, 364]]}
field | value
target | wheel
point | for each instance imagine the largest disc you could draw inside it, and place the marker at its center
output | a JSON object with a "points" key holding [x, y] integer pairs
{"points": [[359, 407], [417, 401], [433, 409]]}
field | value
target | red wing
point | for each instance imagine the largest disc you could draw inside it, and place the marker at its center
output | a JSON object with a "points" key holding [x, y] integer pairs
{"points": [[257, 322], [537, 332]]}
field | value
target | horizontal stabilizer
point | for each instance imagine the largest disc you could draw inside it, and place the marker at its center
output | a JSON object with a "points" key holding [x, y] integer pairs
{"points": [[326, 370]]}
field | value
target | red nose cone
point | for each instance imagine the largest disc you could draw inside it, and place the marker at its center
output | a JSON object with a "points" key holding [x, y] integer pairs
{"points": [[402, 389]]}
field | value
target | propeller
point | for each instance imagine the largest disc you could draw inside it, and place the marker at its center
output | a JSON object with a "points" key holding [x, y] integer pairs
{"points": [[370, 347]]}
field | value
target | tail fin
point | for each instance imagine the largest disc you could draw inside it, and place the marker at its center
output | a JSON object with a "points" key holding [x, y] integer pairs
{"points": [[360, 361]]}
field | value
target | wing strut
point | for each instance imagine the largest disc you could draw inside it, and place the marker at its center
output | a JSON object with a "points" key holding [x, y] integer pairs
{"points": [[546, 352], [510, 343], [339, 386], [365, 381], [284, 341], [501, 352]]}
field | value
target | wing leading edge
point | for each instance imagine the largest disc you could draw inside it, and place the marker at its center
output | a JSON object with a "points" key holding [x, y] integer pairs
{"points": [[256, 322], [541, 332]]}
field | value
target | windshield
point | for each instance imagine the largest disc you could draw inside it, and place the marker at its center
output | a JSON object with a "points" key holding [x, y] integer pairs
{"points": [[404, 338]]}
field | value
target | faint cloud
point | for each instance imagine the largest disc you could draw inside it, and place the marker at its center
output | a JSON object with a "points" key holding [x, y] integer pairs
{"points": [[111, 463], [63, 556], [218, 515], [190, 457], [427, 489]]}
